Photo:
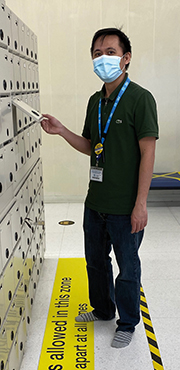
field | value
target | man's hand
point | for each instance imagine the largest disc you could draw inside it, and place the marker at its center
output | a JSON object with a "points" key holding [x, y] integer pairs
{"points": [[139, 213], [138, 218], [51, 125]]}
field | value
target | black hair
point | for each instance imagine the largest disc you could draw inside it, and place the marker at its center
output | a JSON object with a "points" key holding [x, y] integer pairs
{"points": [[124, 41]]}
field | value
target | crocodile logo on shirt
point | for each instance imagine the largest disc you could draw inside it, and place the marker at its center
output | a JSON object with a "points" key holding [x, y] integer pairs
{"points": [[118, 121]]}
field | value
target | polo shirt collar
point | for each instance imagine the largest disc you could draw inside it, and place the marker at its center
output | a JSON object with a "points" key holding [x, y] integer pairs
{"points": [[115, 92]]}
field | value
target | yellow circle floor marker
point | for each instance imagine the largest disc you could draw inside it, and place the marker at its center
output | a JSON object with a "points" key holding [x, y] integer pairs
{"points": [[68, 344], [153, 346], [66, 223]]}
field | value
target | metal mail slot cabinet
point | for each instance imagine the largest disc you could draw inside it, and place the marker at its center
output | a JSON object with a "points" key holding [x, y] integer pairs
{"points": [[22, 230]]}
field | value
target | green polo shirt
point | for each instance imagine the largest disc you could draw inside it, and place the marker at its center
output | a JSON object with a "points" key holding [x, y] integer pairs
{"points": [[134, 118]]}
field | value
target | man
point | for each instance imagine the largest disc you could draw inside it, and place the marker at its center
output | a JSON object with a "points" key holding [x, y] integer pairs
{"points": [[119, 134]]}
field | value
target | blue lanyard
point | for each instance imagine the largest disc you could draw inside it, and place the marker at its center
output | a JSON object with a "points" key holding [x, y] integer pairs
{"points": [[123, 89]]}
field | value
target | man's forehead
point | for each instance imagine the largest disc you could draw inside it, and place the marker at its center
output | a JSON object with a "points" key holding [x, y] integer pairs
{"points": [[107, 41]]}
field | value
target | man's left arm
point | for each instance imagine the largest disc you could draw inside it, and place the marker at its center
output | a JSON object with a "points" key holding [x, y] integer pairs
{"points": [[139, 214]]}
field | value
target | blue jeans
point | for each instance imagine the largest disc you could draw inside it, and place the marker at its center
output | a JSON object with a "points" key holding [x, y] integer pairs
{"points": [[102, 232]]}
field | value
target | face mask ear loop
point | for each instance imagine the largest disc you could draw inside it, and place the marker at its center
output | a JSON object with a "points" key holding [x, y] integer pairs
{"points": [[120, 61]]}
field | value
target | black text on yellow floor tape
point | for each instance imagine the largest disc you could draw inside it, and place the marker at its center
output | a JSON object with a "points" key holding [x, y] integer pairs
{"points": [[68, 344], [153, 346]]}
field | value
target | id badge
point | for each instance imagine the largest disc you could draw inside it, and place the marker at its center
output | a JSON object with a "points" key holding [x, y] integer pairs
{"points": [[96, 174]]}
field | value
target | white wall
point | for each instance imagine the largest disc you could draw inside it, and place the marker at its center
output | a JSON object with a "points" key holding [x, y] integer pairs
{"points": [[65, 29]]}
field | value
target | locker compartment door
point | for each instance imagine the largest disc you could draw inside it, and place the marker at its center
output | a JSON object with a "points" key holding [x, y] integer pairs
{"points": [[8, 284], [27, 143], [4, 24], [6, 122], [3, 348], [13, 360], [24, 75], [19, 148], [17, 73], [15, 223], [29, 76], [35, 49], [9, 160], [22, 38], [18, 262], [33, 76], [11, 324], [14, 33], [21, 337], [6, 73], [2, 303], [27, 42], [6, 239], [2, 173], [37, 78]]}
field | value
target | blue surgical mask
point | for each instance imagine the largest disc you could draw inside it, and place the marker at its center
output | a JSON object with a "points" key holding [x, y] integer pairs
{"points": [[107, 67]]}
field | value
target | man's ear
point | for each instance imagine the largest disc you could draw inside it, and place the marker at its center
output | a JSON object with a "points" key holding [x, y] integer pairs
{"points": [[127, 57]]}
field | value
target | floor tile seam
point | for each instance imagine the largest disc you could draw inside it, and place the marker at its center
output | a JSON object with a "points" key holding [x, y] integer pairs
{"points": [[158, 318], [148, 258], [158, 252], [178, 221], [149, 234], [160, 280], [52, 255], [51, 232], [47, 280], [172, 229]]}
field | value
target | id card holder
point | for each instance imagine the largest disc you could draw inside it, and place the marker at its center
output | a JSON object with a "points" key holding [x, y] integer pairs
{"points": [[96, 174]]}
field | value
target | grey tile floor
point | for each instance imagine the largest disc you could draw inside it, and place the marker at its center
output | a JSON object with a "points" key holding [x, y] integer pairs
{"points": [[160, 257]]}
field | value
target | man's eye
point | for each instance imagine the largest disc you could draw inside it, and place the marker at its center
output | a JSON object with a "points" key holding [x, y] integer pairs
{"points": [[96, 55], [111, 52]]}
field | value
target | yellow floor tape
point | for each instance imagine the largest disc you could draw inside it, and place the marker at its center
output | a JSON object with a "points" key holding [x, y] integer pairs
{"points": [[150, 334], [68, 344]]}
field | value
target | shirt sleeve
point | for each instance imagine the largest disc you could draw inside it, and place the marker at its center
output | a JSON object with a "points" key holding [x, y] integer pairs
{"points": [[86, 129], [146, 121]]}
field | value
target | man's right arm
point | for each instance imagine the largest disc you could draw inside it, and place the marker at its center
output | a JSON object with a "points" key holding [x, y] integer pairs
{"points": [[54, 127]]}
